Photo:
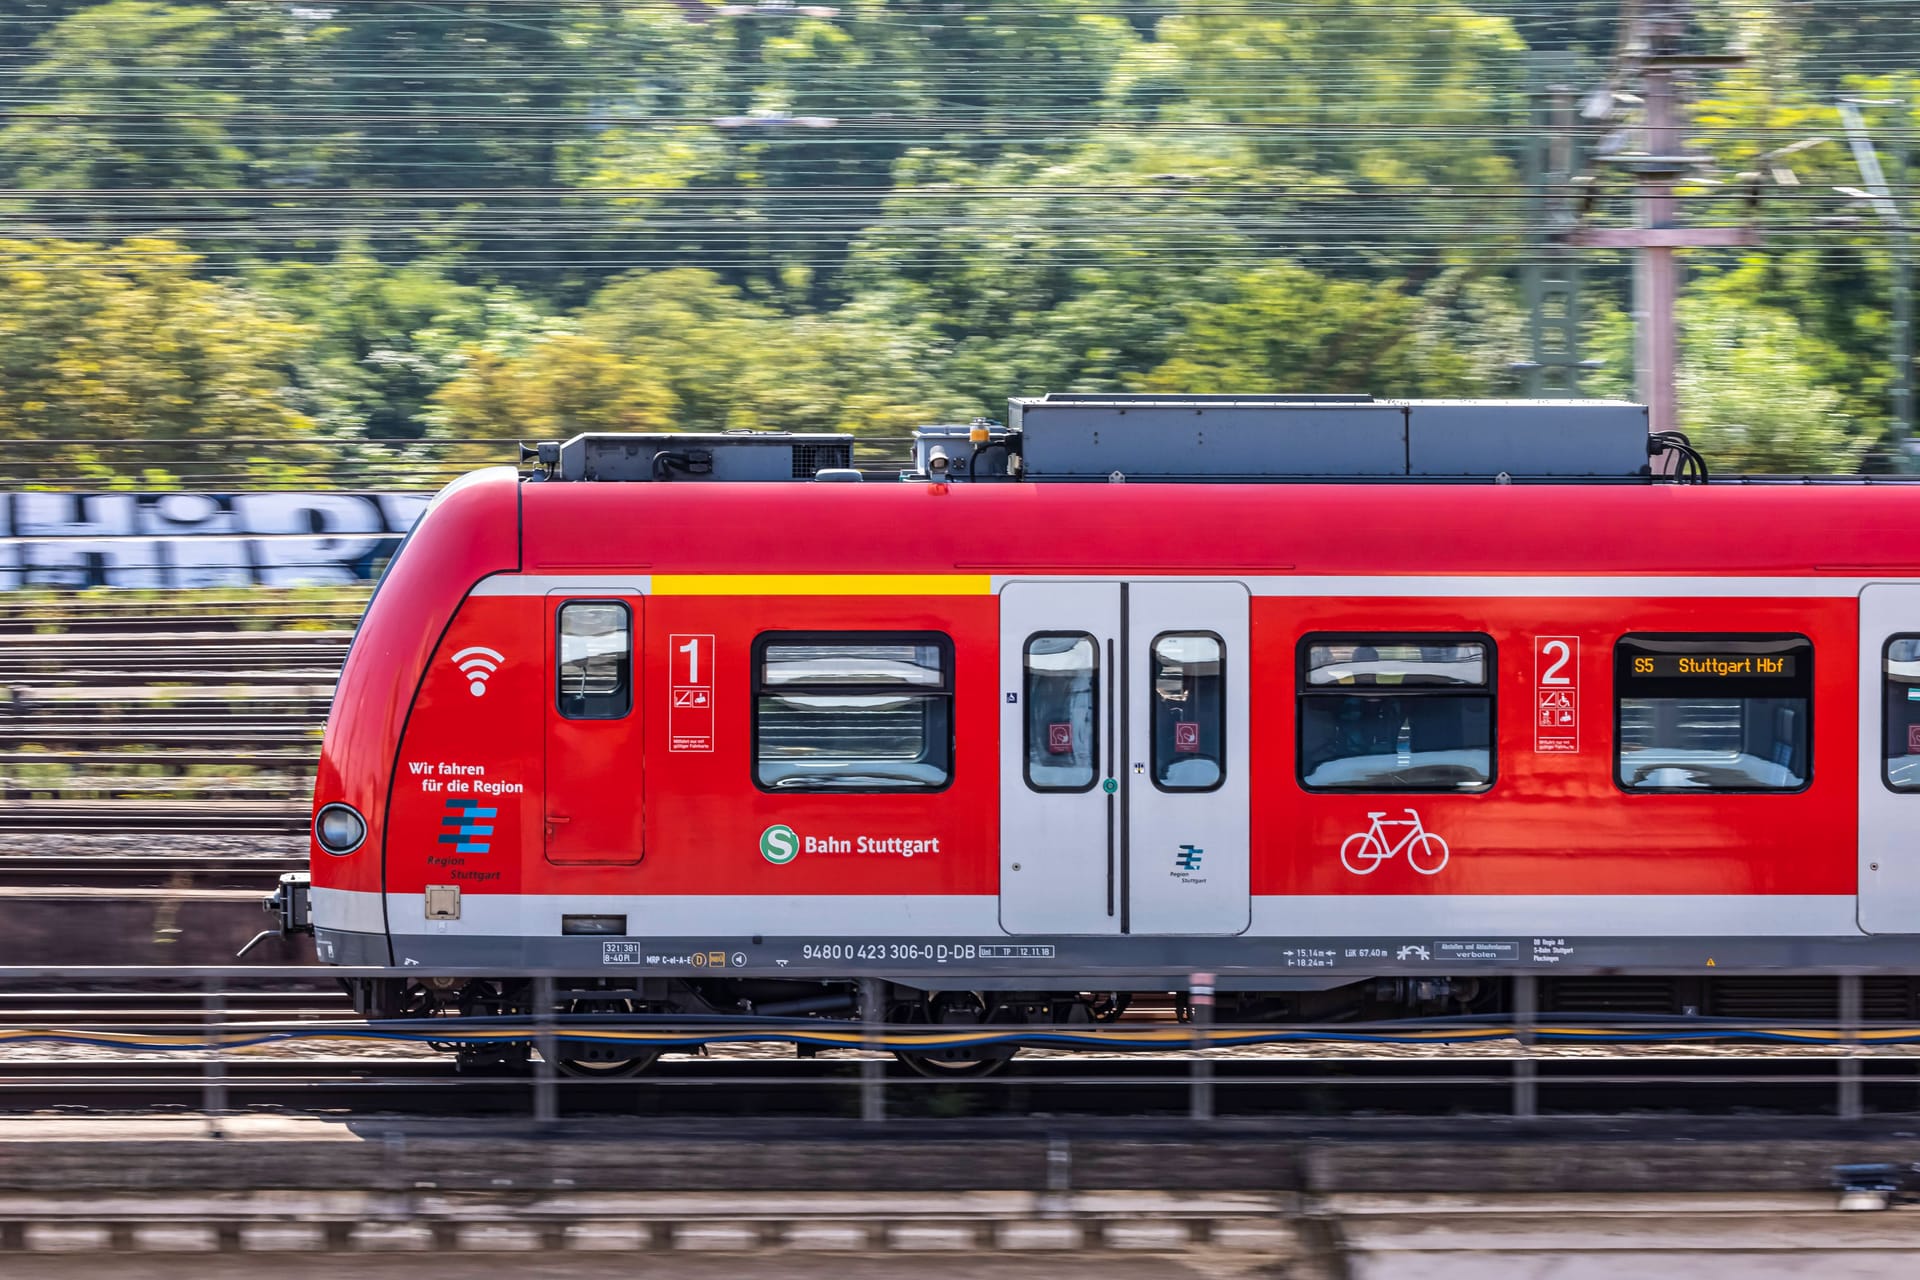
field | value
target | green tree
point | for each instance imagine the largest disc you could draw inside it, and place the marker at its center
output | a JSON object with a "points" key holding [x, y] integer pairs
{"points": [[1285, 328], [1751, 395], [1051, 274], [117, 99], [1370, 91], [558, 385], [684, 349], [1755, 394], [124, 343], [818, 111], [384, 339]]}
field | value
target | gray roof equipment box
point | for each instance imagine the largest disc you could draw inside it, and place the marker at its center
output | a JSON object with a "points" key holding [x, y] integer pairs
{"points": [[1089, 437]]}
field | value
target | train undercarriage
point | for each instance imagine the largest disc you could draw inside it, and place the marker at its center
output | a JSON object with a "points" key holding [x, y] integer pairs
{"points": [[843, 1003]]}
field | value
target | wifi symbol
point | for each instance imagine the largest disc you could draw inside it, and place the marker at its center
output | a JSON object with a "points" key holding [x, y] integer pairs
{"points": [[477, 663]]}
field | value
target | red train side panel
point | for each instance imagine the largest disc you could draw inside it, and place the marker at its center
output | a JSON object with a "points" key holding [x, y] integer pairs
{"points": [[539, 821]]}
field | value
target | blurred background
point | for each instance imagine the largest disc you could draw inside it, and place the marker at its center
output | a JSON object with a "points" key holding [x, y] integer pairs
{"points": [[366, 243]]}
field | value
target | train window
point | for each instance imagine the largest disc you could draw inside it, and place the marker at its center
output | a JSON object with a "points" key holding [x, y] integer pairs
{"points": [[1396, 713], [1062, 711], [1901, 667], [1188, 725], [596, 660], [1713, 713], [859, 711]]}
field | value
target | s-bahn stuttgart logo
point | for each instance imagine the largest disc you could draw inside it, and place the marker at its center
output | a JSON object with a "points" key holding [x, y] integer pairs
{"points": [[781, 844]]}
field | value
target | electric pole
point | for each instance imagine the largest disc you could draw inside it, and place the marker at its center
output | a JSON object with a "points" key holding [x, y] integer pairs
{"points": [[1552, 278], [1881, 197], [1650, 60]]}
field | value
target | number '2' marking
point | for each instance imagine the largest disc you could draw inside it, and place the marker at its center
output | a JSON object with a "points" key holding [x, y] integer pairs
{"points": [[1552, 674]]}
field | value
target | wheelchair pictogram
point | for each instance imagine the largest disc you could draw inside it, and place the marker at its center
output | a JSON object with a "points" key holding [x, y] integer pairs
{"points": [[1363, 851]]}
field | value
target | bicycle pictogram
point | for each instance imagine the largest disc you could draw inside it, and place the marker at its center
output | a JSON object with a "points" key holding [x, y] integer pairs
{"points": [[1363, 851]]}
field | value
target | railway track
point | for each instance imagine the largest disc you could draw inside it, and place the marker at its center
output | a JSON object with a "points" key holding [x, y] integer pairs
{"points": [[1353, 1086], [174, 718], [148, 618], [222, 817], [122, 871], [139, 1040]]}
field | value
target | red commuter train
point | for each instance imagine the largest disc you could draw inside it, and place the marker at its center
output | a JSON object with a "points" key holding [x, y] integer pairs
{"points": [[1321, 696]]}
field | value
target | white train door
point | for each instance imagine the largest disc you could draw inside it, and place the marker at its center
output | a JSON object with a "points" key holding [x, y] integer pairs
{"points": [[1890, 759], [1188, 804], [1123, 732]]}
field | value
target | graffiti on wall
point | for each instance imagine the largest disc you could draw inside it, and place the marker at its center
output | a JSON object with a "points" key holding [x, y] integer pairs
{"points": [[160, 540]]}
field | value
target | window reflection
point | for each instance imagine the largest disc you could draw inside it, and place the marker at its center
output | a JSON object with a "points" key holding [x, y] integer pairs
{"points": [[1694, 715], [1062, 712], [853, 714], [595, 661], [1188, 716], [1396, 713], [1902, 669]]}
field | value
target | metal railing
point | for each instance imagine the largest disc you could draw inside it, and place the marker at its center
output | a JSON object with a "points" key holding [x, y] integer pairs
{"points": [[205, 1039]]}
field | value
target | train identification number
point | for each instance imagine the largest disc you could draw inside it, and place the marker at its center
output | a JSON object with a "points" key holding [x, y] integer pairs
{"points": [[936, 952]]}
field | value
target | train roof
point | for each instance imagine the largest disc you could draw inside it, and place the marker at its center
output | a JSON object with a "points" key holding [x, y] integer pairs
{"points": [[1158, 484], [1308, 529]]}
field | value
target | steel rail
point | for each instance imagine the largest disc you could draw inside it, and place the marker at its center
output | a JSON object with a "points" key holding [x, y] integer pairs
{"points": [[1514, 1064], [1360, 1088], [221, 730]]}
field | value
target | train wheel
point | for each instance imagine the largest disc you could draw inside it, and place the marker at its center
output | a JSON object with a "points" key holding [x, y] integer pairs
{"points": [[607, 1069], [941, 1066], [612, 1060], [957, 1009]]}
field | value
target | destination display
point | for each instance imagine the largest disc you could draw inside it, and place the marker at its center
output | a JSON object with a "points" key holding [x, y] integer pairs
{"points": [[1669, 666]]}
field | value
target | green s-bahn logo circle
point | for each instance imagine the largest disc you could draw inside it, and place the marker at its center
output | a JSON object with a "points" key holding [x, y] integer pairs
{"points": [[779, 845]]}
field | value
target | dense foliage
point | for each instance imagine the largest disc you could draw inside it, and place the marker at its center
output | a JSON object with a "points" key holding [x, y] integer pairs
{"points": [[310, 226]]}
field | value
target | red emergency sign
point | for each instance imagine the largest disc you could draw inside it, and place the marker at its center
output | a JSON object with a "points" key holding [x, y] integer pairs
{"points": [[1060, 739], [1186, 735]]}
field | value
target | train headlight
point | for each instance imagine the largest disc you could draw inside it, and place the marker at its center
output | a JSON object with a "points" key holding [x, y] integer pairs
{"points": [[339, 829]]}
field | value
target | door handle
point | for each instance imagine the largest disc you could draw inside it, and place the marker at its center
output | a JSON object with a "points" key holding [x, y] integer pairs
{"points": [[556, 818]]}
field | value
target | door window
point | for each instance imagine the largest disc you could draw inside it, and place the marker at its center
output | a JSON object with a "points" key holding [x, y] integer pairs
{"points": [[596, 660], [1901, 669], [1187, 710], [1062, 711]]}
